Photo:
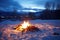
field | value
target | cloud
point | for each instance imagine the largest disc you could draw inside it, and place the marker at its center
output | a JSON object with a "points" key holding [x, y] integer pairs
{"points": [[9, 5], [19, 4], [33, 3]]}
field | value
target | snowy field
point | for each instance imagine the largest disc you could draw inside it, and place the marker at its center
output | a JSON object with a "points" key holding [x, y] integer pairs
{"points": [[47, 28]]}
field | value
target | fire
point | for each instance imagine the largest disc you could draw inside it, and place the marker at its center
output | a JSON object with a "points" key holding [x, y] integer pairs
{"points": [[26, 26], [23, 26]]}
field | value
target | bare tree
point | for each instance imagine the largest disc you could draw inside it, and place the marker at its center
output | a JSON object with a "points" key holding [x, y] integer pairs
{"points": [[48, 5], [53, 6], [58, 7]]}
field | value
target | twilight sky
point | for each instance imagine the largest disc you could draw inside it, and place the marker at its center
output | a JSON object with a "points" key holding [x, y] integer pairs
{"points": [[32, 3], [19, 4]]}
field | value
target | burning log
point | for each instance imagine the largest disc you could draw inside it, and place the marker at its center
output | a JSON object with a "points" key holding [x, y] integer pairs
{"points": [[32, 28], [25, 27]]}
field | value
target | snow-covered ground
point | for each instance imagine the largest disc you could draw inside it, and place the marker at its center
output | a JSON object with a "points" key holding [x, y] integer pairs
{"points": [[47, 28]]}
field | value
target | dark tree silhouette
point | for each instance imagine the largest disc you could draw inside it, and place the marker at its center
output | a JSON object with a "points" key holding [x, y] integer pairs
{"points": [[53, 6], [32, 15], [58, 7], [48, 5]]}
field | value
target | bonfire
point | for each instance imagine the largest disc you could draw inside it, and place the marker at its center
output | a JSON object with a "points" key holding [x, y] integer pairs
{"points": [[25, 27]]}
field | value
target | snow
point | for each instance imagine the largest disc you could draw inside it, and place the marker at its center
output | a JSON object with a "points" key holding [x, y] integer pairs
{"points": [[50, 22], [47, 27]]}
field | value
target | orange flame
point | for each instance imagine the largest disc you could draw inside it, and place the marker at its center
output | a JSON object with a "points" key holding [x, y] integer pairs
{"points": [[23, 26]]}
